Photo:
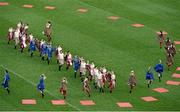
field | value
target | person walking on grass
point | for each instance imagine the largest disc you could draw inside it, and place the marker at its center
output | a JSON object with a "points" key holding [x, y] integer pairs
{"points": [[132, 81], [6, 80], [82, 69], [63, 88], [68, 58], [149, 77], [48, 31], [60, 58], [50, 50], [16, 37], [10, 34], [170, 61], [43, 52], [32, 47], [76, 65], [159, 69], [161, 37], [86, 86], [113, 81], [41, 85]]}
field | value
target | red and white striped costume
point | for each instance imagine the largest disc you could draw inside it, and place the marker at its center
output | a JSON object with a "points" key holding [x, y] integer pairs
{"points": [[83, 67], [92, 69], [10, 33], [100, 81], [69, 59], [16, 36], [104, 72], [86, 84], [23, 41], [113, 79], [63, 88]]}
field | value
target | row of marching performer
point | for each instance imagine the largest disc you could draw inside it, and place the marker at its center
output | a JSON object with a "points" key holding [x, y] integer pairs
{"points": [[158, 68], [169, 47], [87, 71], [21, 37], [99, 76]]}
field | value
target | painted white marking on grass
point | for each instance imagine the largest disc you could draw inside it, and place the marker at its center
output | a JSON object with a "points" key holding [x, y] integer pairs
{"points": [[35, 85]]}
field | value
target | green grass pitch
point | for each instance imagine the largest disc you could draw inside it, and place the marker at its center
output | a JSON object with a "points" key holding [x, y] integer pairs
{"points": [[115, 44]]}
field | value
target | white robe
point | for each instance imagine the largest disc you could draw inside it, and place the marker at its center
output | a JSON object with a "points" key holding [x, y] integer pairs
{"points": [[99, 77], [61, 58], [16, 36], [113, 77], [92, 69], [83, 68], [24, 41]]}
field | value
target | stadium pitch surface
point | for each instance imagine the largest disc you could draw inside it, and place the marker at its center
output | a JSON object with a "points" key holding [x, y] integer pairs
{"points": [[118, 34]]}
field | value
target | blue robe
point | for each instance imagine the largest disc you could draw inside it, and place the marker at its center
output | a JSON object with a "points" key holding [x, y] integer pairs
{"points": [[76, 64], [149, 76], [6, 81], [50, 51], [32, 46], [41, 85], [159, 68], [43, 49]]}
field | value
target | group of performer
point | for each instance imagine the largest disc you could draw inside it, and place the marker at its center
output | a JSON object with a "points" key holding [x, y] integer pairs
{"points": [[169, 47], [170, 53], [88, 72], [158, 68], [19, 34]]}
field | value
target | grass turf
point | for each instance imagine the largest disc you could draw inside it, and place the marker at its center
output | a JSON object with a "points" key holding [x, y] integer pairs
{"points": [[115, 44]]}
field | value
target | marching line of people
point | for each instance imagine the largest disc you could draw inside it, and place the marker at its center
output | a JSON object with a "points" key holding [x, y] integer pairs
{"points": [[170, 53], [88, 72], [169, 47]]}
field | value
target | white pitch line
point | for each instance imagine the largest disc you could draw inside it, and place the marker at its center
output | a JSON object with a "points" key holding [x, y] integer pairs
{"points": [[35, 85]]}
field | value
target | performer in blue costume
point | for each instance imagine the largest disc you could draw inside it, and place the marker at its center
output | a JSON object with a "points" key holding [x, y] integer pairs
{"points": [[32, 47], [159, 69], [149, 77], [41, 85], [50, 50], [6, 80], [76, 65], [43, 50]]}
